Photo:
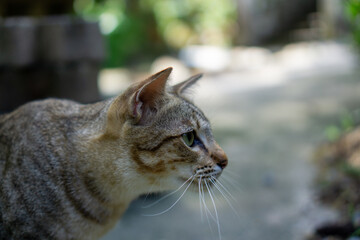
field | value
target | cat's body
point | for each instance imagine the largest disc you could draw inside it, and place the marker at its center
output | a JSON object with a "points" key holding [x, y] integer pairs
{"points": [[69, 171]]}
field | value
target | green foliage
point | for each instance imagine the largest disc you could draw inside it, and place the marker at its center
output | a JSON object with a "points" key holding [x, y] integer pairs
{"points": [[195, 21], [356, 233], [353, 12], [137, 29], [333, 133], [347, 122], [350, 170]]}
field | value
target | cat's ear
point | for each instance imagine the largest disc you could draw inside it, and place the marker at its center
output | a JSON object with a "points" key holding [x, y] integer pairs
{"points": [[180, 88], [148, 96]]}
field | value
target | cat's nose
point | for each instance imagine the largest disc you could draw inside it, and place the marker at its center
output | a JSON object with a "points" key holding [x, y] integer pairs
{"points": [[219, 156], [223, 163]]}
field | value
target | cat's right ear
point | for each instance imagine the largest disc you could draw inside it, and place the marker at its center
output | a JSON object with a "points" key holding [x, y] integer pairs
{"points": [[146, 100]]}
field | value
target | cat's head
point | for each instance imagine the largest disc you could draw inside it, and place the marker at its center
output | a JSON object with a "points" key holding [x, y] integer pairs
{"points": [[169, 139]]}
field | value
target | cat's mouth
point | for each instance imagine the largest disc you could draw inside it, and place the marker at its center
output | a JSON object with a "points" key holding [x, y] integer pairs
{"points": [[208, 173], [201, 180], [203, 176]]}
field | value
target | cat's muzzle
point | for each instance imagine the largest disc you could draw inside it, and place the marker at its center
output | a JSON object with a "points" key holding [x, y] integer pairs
{"points": [[211, 172]]}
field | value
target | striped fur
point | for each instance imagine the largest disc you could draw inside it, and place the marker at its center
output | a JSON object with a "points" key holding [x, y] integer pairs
{"points": [[69, 171]]}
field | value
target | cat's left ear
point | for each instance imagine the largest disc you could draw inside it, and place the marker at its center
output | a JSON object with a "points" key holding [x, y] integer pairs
{"points": [[146, 99], [180, 88]]}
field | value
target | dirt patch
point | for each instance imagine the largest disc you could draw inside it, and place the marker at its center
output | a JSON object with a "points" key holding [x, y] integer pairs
{"points": [[338, 184]]}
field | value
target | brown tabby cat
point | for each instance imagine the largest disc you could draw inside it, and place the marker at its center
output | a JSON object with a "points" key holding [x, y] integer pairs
{"points": [[69, 171]]}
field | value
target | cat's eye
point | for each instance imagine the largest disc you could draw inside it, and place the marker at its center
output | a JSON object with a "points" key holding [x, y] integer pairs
{"points": [[189, 138]]}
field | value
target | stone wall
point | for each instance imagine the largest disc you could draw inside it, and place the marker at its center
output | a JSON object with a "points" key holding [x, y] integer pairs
{"points": [[334, 22], [48, 57]]}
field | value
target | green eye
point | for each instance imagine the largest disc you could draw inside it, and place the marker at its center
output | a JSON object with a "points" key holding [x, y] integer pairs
{"points": [[188, 138]]}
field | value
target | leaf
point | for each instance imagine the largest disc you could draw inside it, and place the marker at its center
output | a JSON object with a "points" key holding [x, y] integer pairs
{"points": [[332, 133]]}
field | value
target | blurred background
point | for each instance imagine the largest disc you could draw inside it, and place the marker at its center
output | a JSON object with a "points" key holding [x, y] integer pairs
{"points": [[281, 87]]}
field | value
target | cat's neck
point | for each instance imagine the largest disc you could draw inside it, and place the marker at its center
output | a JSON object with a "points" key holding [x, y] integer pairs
{"points": [[105, 160]]}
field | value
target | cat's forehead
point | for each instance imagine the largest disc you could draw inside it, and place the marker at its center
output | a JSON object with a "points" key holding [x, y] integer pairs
{"points": [[183, 112]]}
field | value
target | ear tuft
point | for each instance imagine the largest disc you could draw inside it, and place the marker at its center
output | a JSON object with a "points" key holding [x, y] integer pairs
{"points": [[180, 88]]}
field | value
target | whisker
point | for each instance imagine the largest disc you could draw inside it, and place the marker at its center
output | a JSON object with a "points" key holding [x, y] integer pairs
{"points": [[211, 190], [200, 196], [157, 214], [225, 189], [168, 195], [231, 173], [207, 211], [222, 193], [231, 183], [216, 214], [204, 203], [232, 178], [147, 195]]}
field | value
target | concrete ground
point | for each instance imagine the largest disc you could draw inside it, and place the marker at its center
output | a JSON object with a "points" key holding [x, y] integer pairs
{"points": [[269, 122]]}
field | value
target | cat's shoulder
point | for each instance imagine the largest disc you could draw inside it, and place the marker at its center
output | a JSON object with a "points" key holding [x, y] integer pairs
{"points": [[51, 106]]}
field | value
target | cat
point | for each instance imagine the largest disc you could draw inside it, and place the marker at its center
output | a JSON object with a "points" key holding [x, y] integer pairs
{"points": [[69, 171]]}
